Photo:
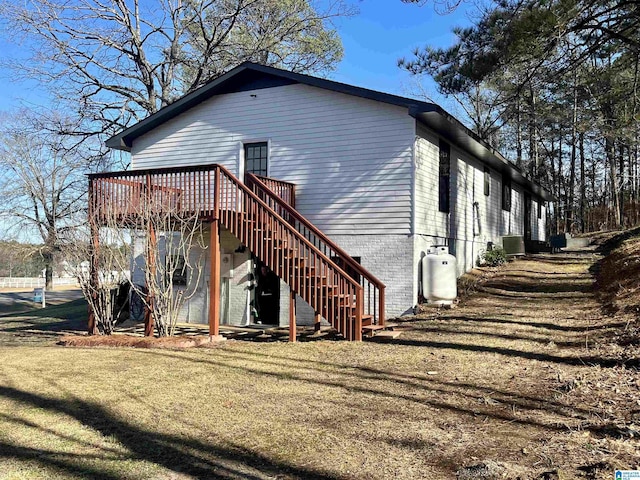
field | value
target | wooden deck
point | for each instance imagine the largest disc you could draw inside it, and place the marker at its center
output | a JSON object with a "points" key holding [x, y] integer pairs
{"points": [[336, 287]]}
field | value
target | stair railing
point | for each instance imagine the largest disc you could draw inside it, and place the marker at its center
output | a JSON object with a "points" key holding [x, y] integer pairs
{"points": [[284, 190], [330, 291], [373, 288]]}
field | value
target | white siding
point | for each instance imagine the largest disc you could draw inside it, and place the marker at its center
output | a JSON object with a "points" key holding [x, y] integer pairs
{"points": [[349, 157], [513, 220], [429, 220], [467, 228]]}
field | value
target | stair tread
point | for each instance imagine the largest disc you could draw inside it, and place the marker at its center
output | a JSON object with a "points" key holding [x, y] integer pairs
{"points": [[373, 327], [387, 335]]}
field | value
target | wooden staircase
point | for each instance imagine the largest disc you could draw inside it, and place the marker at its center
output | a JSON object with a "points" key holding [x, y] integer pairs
{"points": [[336, 287], [280, 197], [273, 231]]}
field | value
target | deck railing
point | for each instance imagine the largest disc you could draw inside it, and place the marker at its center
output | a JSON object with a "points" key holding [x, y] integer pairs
{"points": [[373, 288], [285, 190], [119, 196]]}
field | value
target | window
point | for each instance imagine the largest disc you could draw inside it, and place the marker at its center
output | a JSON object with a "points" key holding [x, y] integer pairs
{"points": [[444, 176], [540, 205], [487, 181], [177, 267], [506, 193], [255, 158]]}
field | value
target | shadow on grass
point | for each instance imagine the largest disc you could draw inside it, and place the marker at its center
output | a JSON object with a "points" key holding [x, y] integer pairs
{"points": [[71, 315], [509, 352], [557, 287], [176, 453], [614, 242], [424, 382], [456, 330], [367, 381], [542, 325]]}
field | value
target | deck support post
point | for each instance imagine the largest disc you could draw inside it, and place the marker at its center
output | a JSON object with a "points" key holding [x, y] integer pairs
{"points": [[358, 319], [316, 324], [214, 280], [92, 324], [381, 319], [292, 316], [149, 313]]}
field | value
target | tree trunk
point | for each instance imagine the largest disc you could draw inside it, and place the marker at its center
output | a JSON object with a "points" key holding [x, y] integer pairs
{"points": [[518, 133], [583, 184], [563, 201], [613, 180], [621, 184], [534, 169], [572, 168], [553, 188], [48, 270]]}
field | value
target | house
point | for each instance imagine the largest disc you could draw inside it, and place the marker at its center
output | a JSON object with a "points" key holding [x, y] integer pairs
{"points": [[369, 181]]}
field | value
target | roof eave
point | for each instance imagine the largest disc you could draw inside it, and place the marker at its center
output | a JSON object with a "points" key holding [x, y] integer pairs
{"points": [[124, 139], [451, 129]]}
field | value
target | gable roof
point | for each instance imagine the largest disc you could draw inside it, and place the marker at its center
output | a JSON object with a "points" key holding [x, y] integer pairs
{"points": [[253, 76]]}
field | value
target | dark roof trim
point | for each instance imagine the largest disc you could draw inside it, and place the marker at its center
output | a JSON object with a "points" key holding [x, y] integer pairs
{"points": [[254, 76], [224, 84], [438, 120]]}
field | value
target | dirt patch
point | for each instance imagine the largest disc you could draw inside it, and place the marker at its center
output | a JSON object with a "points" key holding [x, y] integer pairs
{"points": [[531, 346], [134, 341]]}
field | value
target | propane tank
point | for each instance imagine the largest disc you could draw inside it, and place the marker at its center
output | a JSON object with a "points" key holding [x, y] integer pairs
{"points": [[439, 279]]}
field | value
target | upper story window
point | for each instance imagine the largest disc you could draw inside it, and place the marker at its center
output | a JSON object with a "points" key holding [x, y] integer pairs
{"points": [[444, 176], [506, 193], [540, 205], [256, 158], [487, 181]]}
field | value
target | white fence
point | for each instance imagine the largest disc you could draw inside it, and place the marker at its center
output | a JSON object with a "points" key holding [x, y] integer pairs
{"points": [[34, 282]]}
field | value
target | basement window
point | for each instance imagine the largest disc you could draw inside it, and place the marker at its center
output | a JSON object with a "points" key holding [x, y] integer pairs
{"points": [[177, 268], [506, 193], [444, 176]]}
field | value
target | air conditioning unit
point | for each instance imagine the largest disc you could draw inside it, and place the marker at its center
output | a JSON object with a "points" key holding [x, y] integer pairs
{"points": [[513, 245]]}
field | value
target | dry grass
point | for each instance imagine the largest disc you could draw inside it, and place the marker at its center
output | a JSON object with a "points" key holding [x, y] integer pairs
{"points": [[176, 342], [520, 378]]}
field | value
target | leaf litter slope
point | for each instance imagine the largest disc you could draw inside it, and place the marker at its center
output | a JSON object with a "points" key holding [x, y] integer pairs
{"points": [[534, 339], [519, 377]]}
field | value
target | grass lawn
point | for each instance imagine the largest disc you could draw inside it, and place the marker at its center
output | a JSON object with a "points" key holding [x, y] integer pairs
{"points": [[514, 376]]}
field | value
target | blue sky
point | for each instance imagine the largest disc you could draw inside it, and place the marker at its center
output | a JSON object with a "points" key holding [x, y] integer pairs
{"points": [[373, 40], [383, 32]]}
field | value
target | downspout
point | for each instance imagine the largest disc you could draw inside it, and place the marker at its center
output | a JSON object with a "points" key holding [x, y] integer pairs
{"points": [[416, 272]]}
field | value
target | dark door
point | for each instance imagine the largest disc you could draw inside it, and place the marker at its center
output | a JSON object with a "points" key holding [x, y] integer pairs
{"points": [[267, 295]]}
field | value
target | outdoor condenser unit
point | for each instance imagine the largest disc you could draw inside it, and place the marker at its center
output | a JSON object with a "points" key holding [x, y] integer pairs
{"points": [[513, 245]]}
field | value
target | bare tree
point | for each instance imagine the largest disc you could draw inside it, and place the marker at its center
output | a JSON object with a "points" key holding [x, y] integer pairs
{"points": [[107, 293], [174, 251], [117, 61], [42, 184]]}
